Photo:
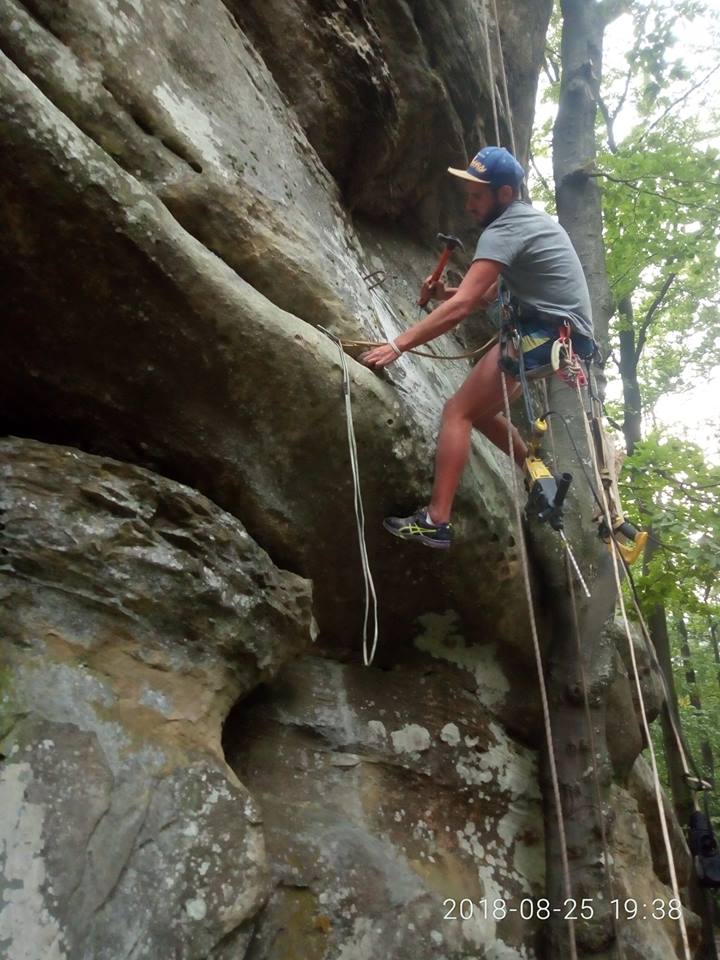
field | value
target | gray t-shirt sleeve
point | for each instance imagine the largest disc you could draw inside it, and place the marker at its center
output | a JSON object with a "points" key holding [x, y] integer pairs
{"points": [[502, 241]]}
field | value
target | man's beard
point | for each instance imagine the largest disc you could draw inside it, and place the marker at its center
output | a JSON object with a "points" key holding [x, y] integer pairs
{"points": [[493, 215]]}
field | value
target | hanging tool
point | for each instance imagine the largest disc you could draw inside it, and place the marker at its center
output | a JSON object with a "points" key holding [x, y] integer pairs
{"points": [[633, 540], [564, 361], [451, 243], [546, 491]]}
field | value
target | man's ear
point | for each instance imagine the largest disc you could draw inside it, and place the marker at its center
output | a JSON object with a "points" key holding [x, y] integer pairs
{"points": [[505, 194]]}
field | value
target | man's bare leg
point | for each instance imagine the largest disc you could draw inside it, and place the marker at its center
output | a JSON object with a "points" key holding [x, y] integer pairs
{"points": [[478, 403]]}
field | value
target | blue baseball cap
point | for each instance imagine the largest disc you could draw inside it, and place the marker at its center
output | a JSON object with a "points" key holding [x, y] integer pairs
{"points": [[495, 166]]}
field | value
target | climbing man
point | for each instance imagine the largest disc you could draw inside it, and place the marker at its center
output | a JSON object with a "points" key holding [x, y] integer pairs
{"points": [[531, 256]]}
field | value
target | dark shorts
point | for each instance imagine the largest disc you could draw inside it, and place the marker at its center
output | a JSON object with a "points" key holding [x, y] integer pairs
{"points": [[536, 345]]}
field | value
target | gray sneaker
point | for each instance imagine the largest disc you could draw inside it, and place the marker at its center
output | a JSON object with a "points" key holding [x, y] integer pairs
{"points": [[436, 535]]}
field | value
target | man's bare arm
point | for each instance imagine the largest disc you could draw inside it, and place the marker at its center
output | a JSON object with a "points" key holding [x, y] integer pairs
{"points": [[478, 289], [475, 291]]}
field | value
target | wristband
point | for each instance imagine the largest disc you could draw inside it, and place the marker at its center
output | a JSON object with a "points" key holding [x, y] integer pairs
{"points": [[395, 347]]}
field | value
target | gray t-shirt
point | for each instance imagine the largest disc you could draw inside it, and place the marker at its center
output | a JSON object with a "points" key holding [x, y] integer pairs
{"points": [[540, 266]]}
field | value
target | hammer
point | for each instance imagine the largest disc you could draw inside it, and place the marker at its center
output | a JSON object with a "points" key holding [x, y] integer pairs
{"points": [[450, 244]]}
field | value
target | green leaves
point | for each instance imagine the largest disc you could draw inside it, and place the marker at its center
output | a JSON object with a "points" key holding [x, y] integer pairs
{"points": [[669, 487]]}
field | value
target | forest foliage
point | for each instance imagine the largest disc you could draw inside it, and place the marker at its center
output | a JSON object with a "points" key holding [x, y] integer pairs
{"points": [[658, 164]]}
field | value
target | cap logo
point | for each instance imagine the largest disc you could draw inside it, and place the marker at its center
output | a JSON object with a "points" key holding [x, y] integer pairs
{"points": [[480, 167]]}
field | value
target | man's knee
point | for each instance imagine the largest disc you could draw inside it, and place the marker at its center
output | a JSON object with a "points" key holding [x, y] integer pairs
{"points": [[455, 409]]}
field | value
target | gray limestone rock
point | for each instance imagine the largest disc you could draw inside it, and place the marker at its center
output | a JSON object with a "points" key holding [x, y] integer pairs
{"points": [[652, 933], [179, 209], [134, 613], [393, 806], [648, 670], [391, 93], [159, 353]]}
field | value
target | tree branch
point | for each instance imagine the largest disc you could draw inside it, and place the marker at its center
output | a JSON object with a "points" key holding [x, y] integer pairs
{"points": [[608, 124], [541, 178], [677, 101], [551, 68], [621, 102], [648, 318], [610, 10], [631, 184]]}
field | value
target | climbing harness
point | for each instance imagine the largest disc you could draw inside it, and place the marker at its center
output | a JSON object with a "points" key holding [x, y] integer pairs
{"points": [[370, 594], [546, 490]]}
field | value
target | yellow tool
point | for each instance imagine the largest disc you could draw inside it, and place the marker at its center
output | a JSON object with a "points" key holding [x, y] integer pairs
{"points": [[546, 492]]}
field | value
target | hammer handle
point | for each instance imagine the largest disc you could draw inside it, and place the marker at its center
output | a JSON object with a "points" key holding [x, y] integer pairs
{"points": [[437, 272]]}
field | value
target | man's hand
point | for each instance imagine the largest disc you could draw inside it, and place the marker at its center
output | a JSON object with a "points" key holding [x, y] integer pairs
{"points": [[431, 290], [381, 356], [435, 290], [479, 280]]}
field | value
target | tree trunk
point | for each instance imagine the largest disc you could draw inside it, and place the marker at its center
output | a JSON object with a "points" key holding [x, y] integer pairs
{"points": [[632, 400], [708, 761], [700, 899], [579, 202], [579, 205], [660, 637], [716, 648], [585, 802]]}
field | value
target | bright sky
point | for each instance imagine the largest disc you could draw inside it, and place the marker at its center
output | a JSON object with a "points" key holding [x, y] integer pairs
{"points": [[696, 412]]}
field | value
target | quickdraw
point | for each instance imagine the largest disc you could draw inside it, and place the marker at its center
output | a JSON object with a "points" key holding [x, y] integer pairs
{"points": [[563, 359]]}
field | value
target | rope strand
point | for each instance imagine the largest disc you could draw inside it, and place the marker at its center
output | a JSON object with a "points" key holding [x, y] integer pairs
{"points": [[491, 71], [370, 594], [503, 77], [636, 674], [421, 353], [540, 672]]}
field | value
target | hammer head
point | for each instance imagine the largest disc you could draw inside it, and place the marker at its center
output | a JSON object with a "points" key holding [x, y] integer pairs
{"points": [[451, 242]]}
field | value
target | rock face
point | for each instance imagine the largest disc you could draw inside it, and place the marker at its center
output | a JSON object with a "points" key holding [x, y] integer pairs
{"points": [[134, 613], [391, 93], [189, 191], [391, 813], [181, 303]]}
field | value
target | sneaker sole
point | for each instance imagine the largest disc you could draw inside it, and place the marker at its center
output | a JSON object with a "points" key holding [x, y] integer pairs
{"points": [[418, 538]]}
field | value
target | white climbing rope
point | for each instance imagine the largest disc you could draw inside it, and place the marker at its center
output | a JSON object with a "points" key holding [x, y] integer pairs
{"points": [[490, 69], [503, 77], [670, 711], [370, 594], [571, 559], [636, 675], [586, 705], [540, 671]]}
